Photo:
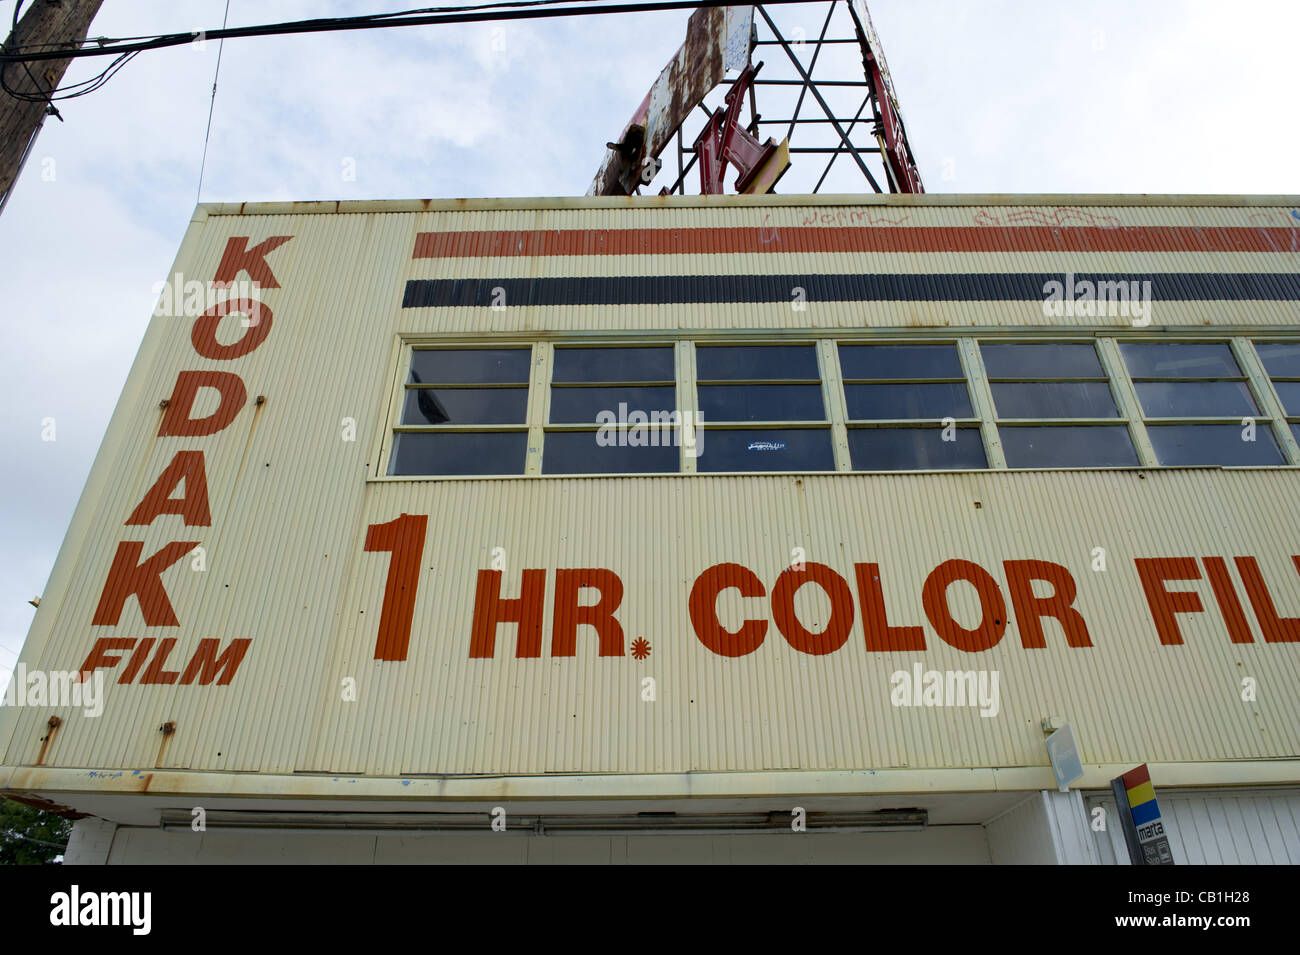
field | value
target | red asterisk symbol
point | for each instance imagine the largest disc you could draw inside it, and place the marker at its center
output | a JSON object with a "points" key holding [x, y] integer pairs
{"points": [[640, 649]]}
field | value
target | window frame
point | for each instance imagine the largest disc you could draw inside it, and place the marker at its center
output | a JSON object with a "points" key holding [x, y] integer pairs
{"points": [[1250, 373], [973, 422], [397, 405], [829, 405], [1266, 393], [1121, 419], [826, 343], [554, 427]]}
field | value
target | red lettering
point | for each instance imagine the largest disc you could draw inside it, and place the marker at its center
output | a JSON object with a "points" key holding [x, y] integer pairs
{"points": [[838, 626], [1216, 570], [176, 419], [137, 660], [156, 673], [204, 332], [490, 611], [703, 608], [187, 466], [1276, 629], [880, 636], [568, 615], [1030, 609], [1153, 572], [206, 665], [100, 654], [238, 257], [129, 577], [934, 597], [403, 537]]}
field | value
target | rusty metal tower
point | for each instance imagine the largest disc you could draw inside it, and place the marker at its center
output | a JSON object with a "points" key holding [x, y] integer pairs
{"points": [[758, 95]]}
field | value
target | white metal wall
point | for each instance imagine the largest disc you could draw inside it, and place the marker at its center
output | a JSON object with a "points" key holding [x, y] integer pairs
{"points": [[949, 845], [1215, 827]]}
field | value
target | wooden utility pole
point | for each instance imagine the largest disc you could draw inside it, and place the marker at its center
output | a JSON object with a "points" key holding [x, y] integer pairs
{"points": [[46, 21]]}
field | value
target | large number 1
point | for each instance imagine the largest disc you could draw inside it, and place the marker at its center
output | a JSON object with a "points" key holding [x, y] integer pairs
{"points": [[403, 537]]}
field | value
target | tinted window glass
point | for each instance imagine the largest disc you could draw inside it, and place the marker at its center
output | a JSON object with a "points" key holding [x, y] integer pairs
{"points": [[900, 361], [614, 364], [901, 449], [1289, 392], [451, 452], [1188, 444], [1194, 399], [766, 449], [580, 452], [1049, 360], [465, 406], [581, 405], [789, 362], [1067, 447], [1179, 360], [1281, 359], [932, 400], [451, 366], [1054, 399], [761, 402]]}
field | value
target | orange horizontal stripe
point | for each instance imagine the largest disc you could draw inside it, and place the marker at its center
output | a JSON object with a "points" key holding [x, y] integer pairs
{"points": [[795, 239]]}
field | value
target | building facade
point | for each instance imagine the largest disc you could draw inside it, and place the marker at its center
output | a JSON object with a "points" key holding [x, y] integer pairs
{"points": [[688, 529]]}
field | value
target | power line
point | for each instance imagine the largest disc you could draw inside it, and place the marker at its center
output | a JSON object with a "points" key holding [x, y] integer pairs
{"points": [[72, 91], [212, 105], [426, 16]]}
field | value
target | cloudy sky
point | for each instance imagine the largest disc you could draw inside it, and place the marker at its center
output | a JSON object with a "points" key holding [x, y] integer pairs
{"points": [[1157, 96]]}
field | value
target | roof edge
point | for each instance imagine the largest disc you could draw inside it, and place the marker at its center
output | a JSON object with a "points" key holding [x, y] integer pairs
{"points": [[369, 206]]}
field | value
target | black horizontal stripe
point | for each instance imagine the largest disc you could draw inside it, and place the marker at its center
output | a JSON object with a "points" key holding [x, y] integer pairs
{"points": [[925, 287]]}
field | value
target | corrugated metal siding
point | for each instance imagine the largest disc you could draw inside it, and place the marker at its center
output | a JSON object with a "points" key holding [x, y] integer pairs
{"points": [[1217, 828], [291, 502]]}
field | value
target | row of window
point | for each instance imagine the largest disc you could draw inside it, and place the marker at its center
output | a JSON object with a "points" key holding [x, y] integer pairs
{"points": [[778, 407]]}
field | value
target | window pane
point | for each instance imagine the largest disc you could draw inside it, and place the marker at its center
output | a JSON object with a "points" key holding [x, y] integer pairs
{"points": [[1281, 359], [761, 403], [883, 402], [1194, 399], [1289, 392], [1054, 399], [1185, 444], [900, 361], [614, 364], [581, 405], [901, 449], [1067, 447], [756, 361], [452, 366], [465, 406], [452, 452], [1179, 360], [581, 452], [765, 449], [1049, 360]]}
